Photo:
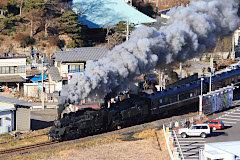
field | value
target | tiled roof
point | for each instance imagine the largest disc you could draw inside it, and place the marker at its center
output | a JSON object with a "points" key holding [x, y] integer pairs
{"points": [[101, 12], [11, 78], [80, 54], [54, 73]]}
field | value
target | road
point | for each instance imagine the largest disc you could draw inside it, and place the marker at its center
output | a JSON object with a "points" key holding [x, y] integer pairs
{"points": [[231, 117]]}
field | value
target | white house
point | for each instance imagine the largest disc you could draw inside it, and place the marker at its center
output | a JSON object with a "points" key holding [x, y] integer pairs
{"points": [[12, 70], [222, 150], [6, 119], [72, 61]]}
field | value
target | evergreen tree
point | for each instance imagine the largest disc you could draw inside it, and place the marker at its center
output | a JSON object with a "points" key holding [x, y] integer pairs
{"points": [[69, 24]]}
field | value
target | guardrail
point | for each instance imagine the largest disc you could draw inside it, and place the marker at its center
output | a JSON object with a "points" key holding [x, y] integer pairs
{"points": [[173, 145]]}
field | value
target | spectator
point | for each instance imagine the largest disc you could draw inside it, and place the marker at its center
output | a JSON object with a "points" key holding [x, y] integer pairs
{"points": [[187, 123]]}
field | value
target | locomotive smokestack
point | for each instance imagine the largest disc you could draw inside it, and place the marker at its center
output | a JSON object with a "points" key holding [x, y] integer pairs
{"points": [[61, 108], [189, 31]]}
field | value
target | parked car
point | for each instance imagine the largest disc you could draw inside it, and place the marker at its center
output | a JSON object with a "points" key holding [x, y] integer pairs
{"points": [[214, 124], [195, 130]]}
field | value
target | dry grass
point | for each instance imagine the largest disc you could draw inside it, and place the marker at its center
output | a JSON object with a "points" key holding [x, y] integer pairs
{"points": [[24, 142], [23, 139], [150, 146]]}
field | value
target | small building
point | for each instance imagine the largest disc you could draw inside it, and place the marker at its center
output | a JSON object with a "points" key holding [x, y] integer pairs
{"points": [[6, 118], [73, 61], [12, 71], [222, 150]]}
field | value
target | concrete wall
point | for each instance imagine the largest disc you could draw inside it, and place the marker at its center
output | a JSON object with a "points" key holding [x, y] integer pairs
{"points": [[7, 121], [31, 89]]}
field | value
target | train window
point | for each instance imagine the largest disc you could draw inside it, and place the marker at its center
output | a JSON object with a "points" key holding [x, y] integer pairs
{"points": [[232, 80], [160, 100], [238, 78], [191, 94], [166, 100]]}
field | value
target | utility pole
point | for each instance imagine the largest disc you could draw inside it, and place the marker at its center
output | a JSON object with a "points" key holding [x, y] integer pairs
{"points": [[42, 83], [127, 30], [201, 98], [180, 70], [233, 48]]}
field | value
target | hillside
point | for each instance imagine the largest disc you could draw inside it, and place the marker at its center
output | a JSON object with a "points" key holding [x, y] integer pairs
{"points": [[42, 24]]}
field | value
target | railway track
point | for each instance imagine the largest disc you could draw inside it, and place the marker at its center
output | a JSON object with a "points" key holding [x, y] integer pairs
{"points": [[24, 149], [51, 145]]}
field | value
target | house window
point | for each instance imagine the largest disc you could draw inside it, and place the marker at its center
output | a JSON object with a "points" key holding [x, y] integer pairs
{"points": [[76, 68], [15, 69], [21, 69], [3, 70], [7, 70], [11, 69]]}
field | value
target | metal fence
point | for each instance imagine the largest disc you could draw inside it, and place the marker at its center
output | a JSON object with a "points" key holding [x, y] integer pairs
{"points": [[171, 136]]}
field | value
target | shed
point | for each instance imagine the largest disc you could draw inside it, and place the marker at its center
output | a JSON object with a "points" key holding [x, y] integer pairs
{"points": [[6, 118], [222, 150]]}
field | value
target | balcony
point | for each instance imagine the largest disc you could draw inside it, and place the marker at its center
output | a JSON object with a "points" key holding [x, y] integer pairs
{"points": [[75, 70]]}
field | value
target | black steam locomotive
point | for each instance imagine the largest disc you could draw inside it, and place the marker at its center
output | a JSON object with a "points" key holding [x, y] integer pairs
{"points": [[136, 110]]}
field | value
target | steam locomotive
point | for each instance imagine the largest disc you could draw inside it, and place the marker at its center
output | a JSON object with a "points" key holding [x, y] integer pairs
{"points": [[136, 110]]}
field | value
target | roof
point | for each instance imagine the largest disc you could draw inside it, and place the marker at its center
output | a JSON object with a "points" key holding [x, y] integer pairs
{"points": [[54, 73], [99, 13], [5, 108], [12, 57], [231, 147], [11, 78], [37, 78], [81, 54], [88, 106]]}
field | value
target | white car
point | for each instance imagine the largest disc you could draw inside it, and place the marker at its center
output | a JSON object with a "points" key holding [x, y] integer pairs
{"points": [[195, 130]]}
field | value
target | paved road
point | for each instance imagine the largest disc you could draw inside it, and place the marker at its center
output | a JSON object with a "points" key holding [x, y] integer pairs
{"points": [[231, 119], [190, 146]]}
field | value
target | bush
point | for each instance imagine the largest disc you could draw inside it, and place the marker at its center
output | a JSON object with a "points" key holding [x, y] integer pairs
{"points": [[24, 39]]}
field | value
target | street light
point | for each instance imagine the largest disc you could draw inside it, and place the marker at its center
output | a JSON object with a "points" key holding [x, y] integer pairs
{"points": [[200, 98]]}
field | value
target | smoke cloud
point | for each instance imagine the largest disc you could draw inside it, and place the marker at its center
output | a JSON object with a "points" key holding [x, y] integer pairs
{"points": [[188, 32]]}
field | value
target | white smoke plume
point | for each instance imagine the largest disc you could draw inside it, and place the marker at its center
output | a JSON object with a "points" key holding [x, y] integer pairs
{"points": [[189, 31]]}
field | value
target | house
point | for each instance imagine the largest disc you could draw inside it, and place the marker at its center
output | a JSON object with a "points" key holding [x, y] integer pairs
{"points": [[6, 118], [73, 61], [12, 71], [222, 150]]}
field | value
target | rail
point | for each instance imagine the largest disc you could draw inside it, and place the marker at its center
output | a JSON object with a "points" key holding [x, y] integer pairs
{"points": [[24, 148], [181, 154]]}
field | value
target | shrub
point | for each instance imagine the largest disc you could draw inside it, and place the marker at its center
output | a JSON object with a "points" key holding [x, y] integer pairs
{"points": [[24, 39]]}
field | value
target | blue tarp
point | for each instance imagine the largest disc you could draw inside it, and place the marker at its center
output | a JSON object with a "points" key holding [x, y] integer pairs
{"points": [[99, 13], [37, 78]]}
